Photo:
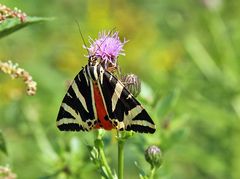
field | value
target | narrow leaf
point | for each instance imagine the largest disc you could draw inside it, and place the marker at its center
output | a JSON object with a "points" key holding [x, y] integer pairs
{"points": [[11, 25], [142, 174], [167, 102], [202, 58]]}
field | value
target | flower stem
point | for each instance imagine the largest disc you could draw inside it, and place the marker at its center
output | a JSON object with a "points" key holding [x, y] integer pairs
{"points": [[152, 173], [120, 156], [99, 145], [105, 164]]}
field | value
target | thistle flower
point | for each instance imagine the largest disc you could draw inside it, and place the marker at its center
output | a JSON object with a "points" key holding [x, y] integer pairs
{"points": [[132, 83], [15, 72], [107, 47], [6, 12], [153, 156]]}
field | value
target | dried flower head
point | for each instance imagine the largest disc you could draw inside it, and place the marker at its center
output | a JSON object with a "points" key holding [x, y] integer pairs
{"points": [[107, 47], [6, 173], [16, 72], [132, 83], [6, 13]]}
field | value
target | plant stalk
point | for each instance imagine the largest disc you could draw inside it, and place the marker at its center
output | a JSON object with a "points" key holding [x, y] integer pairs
{"points": [[120, 157], [152, 173], [105, 164], [102, 156]]}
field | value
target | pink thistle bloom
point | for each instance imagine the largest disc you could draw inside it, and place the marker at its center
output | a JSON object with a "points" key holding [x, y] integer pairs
{"points": [[107, 47]]}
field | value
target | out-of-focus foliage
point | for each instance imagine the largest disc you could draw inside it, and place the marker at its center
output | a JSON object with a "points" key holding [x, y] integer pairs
{"points": [[186, 52], [2, 144]]}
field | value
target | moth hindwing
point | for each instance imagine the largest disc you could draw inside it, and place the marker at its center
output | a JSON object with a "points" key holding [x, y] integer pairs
{"points": [[97, 99]]}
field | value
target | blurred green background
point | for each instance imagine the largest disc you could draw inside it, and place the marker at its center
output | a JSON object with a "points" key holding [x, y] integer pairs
{"points": [[186, 52]]}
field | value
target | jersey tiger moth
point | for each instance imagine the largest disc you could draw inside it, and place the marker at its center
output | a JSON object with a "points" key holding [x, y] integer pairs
{"points": [[97, 99]]}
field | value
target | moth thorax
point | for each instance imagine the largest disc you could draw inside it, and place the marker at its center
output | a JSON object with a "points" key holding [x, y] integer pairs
{"points": [[94, 71]]}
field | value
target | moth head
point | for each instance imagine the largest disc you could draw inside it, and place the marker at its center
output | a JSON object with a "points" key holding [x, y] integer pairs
{"points": [[93, 60]]}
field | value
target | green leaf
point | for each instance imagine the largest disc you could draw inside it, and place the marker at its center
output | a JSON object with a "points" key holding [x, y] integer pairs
{"points": [[3, 147], [167, 102], [11, 25], [142, 174], [202, 58]]}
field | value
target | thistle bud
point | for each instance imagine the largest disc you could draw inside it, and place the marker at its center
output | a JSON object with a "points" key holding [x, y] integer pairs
{"points": [[153, 156], [132, 83]]}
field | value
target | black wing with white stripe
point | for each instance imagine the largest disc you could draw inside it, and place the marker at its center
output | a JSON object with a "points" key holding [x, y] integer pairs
{"points": [[123, 109], [77, 111]]}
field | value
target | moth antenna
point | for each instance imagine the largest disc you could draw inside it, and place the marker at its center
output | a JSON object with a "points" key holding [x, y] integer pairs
{"points": [[79, 29]]}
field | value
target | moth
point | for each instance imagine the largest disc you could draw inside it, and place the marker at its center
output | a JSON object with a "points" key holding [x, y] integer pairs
{"points": [[97, 99]]}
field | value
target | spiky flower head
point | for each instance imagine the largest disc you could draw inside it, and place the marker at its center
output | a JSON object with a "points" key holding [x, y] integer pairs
{"points": [[107, 47]]}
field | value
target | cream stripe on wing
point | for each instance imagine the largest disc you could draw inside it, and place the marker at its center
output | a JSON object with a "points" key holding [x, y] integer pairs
{"points": [[101, 75], [127, 119], [77, 117], [85, 75], [66, 121], [93, 100], [116, 95], [68, 94], [143, 123], [95, 72], [79, 95]]}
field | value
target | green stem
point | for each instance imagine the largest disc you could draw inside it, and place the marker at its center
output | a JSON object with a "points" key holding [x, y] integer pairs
{"points": [[152, 173], [120, 156], [102, 155], [105, 164]]}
